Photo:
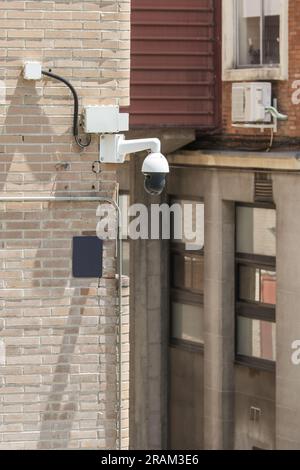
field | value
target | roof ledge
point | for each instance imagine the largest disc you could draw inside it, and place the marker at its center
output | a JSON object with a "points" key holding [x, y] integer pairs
{"points": [[288, 161]]}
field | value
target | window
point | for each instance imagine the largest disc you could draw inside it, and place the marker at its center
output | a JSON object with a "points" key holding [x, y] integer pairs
{"points": [[255, 39], [256, 231], [256, 285], [258, 33], [187, 322], [256, 339], [187, 275]]}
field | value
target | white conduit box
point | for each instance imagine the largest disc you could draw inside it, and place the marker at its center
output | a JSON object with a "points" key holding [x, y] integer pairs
{"points": [[32, 71], [105, 120]]}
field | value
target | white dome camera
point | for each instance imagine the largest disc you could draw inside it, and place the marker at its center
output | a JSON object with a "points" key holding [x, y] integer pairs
{"points": [[114, 148], [155, 169]]}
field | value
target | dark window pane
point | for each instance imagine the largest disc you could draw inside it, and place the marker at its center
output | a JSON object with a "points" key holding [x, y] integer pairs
{"points": [[187, 322], [249, 284], [271, 38], [256, 338], [257, 285], [187, 272], [198, 275], [181, 272], [256, 231]]}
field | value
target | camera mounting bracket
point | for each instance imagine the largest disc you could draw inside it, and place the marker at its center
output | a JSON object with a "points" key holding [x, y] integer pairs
{"points": [[114, 147]]}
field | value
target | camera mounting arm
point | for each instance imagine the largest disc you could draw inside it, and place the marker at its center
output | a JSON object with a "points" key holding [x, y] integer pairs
{"points": [[114, 147], [138, 145]]}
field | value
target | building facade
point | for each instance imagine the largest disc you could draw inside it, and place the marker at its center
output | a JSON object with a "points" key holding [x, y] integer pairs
{"points": [[59, 334], [217, 356]]}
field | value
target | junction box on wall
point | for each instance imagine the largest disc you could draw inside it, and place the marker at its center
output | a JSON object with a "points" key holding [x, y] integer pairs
{"points": [[108, 122], [104, 120], [32, 71]]}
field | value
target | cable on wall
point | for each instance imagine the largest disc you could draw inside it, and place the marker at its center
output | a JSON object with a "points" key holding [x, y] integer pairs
{"points": [[76, 108]]}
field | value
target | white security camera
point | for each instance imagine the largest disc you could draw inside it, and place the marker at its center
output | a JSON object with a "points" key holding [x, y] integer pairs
{"points": [[114, 148], [155, 169]]}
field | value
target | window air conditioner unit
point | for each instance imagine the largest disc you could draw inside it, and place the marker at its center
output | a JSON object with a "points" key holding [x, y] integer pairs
{"points": [[249, 102]]}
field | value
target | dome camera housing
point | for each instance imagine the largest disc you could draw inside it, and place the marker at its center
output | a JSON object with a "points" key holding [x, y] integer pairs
{"points": [[155, 169]]}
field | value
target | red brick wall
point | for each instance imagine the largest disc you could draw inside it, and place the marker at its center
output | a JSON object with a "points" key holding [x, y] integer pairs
{"points": [[283, 90]]}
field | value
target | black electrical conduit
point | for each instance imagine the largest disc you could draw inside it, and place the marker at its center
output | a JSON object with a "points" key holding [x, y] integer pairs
{"points": [[76, 108]]}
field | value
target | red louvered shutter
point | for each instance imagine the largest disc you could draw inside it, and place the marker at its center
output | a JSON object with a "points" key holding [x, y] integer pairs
{"points": [[175, 70]]}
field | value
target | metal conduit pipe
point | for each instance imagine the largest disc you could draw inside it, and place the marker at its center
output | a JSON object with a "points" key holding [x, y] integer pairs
{"points": [[119, 257]]}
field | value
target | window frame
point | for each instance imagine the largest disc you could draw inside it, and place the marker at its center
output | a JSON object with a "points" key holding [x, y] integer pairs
{"points": [[251, 309], [230, 69], [262, 30], [176, 249], [185, 296]]}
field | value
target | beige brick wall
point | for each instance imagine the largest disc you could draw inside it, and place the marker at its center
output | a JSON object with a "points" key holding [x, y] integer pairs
{"points": [[58, 384], [125, 365]]}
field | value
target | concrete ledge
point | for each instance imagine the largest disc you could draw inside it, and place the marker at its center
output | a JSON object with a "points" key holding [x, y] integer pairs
{"points": [[288, 161]]}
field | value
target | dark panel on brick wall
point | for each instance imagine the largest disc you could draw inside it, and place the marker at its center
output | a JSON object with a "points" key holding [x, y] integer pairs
{"points": [[87, 257]]}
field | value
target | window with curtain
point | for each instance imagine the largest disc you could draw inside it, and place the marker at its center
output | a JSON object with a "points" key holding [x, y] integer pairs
{"points": [[258, 33]]}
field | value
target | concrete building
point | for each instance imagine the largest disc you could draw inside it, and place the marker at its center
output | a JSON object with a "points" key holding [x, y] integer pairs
{"points": [[58, 334], [214, 332]]}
